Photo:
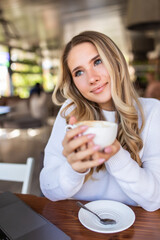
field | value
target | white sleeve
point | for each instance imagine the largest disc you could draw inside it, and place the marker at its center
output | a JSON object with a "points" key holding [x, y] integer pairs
{"points": [[142, 184], [57, 179]]}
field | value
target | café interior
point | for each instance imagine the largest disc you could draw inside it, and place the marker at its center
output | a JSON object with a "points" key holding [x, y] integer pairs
{"points": [[32, 36]]}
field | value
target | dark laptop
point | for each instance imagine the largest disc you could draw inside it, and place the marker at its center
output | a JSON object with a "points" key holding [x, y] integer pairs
{"points": [[19, 222]]}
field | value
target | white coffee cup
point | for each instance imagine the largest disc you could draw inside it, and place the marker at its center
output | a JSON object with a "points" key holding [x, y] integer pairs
{"points": [[105, 132]]}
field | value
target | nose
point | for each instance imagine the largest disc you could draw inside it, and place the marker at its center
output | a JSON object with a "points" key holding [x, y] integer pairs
{"points": [[93, 76]]}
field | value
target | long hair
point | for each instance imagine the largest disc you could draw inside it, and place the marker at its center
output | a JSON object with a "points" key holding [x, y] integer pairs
{"points": [[125, 98]]}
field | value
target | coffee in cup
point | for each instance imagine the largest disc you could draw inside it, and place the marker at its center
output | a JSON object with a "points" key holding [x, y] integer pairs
{"points": [[105, 132]]}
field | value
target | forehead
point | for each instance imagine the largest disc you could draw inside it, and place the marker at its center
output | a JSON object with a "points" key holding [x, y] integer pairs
{"points": [[81, 53]]}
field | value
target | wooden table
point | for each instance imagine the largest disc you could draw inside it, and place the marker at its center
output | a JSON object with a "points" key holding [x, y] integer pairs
{"points": [[64, 214]]}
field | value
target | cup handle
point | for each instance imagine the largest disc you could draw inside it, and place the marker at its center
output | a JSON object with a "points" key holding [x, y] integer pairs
{"points": [[69, 127]]}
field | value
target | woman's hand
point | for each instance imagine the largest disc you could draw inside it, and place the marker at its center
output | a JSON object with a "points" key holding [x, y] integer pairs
{"points": [[81, 152], [108, 151], [78, 148]]}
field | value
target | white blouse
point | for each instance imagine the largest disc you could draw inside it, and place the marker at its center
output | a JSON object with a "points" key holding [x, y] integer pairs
{"points": [[123, 180]]}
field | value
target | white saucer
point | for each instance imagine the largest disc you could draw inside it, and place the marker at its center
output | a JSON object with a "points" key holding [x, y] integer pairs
{"points": [[120, 212]]}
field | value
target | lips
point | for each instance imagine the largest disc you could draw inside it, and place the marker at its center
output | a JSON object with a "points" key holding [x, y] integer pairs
{"points": [[99, 88]]}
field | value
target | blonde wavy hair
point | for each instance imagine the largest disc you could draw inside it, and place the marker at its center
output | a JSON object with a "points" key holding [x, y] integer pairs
{"points": [[124, 96]]}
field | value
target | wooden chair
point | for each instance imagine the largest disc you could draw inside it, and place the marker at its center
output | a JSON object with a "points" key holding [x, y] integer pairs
{"points": [[18, 172]]}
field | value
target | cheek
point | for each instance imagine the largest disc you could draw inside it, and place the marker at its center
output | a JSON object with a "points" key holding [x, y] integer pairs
{"points": [[105, 72], [101, 69], [80, 84]]}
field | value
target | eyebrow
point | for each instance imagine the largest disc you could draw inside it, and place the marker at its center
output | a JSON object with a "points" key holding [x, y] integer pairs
{"points": [[94, 58]]}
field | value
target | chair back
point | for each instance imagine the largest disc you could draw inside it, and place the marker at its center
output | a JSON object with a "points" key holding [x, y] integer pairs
{"points": [[18, 172]]}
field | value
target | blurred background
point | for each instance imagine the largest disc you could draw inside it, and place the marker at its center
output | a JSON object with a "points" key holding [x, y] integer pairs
{"points": [[32, 36]]}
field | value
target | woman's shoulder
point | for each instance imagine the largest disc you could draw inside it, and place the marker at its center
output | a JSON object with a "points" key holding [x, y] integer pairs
{"points": [[150, 105], [66, 102], [70, 107]]}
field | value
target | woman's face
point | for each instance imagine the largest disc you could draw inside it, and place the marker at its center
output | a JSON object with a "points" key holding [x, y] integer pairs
{"points": [[90, 75]]}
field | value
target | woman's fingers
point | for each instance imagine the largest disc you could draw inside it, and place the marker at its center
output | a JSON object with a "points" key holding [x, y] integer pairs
{"points": [[83, 155], [97, 157], [70, 135], [112, 149], [81, 166], [73, 133], [76, 143], [90, 145], [108, 151]]}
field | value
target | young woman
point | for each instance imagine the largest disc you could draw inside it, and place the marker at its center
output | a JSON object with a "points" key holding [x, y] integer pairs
{"points": [[95, 81]]}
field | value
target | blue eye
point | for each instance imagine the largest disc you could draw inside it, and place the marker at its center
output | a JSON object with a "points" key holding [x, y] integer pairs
{"points": [[78, 73], [97, 61]]}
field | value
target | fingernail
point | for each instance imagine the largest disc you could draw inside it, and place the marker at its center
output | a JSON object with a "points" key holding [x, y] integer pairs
{"points": [[101, 160], [83, 127], [96, 147], [108, 150], [90, 136]]}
